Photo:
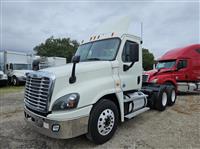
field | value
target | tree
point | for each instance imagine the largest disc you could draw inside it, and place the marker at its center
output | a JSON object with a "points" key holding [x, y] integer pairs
{"points": [[61, 47], [148, 59]]}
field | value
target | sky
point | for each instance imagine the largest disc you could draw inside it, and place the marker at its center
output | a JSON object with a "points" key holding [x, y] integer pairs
{"points": [[166, 24]]}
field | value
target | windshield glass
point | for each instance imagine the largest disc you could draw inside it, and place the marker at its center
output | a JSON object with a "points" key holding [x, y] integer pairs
{"points": [[20, 66], [165, 64], [99, 50]]}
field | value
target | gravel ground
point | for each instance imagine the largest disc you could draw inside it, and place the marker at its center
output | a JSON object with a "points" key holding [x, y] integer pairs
{"points": [[176, 127]]}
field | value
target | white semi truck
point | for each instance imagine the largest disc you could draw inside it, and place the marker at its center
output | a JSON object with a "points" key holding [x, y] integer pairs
{"points": [[16, 65], [102, 87]]}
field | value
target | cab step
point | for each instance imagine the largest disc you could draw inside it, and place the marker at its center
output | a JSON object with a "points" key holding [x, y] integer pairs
{"points": [[131, 115]]}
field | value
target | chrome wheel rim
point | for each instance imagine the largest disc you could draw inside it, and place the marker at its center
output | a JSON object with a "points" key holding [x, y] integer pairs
{"points": [[164, 99], [14, 81], [105, 122], [173, 96]]}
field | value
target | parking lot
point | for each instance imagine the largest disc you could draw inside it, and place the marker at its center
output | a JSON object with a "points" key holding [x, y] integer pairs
{"points": [[176, 127]]}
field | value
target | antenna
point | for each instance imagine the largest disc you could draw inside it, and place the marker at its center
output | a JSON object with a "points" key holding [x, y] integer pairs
{"points": [[141, 34]]}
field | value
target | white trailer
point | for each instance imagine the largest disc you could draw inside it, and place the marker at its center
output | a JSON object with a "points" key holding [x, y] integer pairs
{"points": [[45, 62], [16, 65]]}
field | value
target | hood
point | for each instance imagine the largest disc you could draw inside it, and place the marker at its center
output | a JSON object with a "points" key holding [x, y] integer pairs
{"points": [[22, 72], [157, 72], [65, 70]]}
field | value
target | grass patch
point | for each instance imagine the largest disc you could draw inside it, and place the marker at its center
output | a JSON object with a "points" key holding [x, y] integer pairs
{"points": [[11, 89]]}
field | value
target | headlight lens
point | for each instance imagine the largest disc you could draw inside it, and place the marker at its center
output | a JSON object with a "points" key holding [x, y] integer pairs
{"points": [[66, 102], [154, 80]]}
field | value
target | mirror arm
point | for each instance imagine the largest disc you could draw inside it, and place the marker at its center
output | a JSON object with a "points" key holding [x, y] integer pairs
{"points": [[72, 79]]}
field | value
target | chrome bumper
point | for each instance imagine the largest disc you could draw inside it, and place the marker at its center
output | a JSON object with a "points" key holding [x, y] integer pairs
{"points": [[68, 129]]}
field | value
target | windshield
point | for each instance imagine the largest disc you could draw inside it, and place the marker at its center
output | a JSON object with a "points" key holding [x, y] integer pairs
{"points": [[165, 64], [99, 50], [21, 66]]}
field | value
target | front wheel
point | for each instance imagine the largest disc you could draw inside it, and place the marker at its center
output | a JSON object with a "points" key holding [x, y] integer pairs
{"points": [[15, 81], [103, 121]]}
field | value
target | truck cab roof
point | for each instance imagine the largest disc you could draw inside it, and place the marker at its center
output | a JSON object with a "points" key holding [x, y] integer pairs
{"points": [[184, 52], [109, 35]]}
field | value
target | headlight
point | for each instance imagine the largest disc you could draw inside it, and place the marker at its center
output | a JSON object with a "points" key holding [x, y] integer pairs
{"points": [[66, 102], [154, 80]]}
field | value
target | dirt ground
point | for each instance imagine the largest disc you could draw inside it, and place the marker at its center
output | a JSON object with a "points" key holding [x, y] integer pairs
{"points": [[176, 127]]}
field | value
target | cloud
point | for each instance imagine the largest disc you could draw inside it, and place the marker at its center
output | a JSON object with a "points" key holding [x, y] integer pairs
{"points": [[166, 24]]}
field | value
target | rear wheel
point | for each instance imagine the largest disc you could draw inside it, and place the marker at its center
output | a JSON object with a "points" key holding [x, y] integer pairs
{"points": [[161, 101], [103, 121], [171, 97]]}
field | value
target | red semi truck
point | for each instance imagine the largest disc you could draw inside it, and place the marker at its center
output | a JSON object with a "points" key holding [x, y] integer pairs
{"points": [[178, 67]]}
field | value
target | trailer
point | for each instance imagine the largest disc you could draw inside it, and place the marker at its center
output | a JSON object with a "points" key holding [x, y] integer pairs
{"points": [[41, 62]]}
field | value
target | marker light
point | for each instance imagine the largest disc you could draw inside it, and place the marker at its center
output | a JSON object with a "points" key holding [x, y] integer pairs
{"points": [[82, 41], [94, 37], [112, 34], [90, 38], [98, 37], [55, 127]]}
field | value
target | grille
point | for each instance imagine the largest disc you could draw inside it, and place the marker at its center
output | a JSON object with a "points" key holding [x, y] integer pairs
{"points": [[38, 92], [145, 78]]}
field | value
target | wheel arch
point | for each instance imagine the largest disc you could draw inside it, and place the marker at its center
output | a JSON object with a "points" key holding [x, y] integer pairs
{"points": [[113, 97], [170, 82]]}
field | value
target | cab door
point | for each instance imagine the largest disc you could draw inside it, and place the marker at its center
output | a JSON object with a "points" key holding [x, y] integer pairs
{"points": [[182, 73], [130, 63]]}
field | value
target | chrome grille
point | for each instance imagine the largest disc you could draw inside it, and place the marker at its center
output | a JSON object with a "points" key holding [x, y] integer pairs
{"points": [[145, 78], [38, 91]]}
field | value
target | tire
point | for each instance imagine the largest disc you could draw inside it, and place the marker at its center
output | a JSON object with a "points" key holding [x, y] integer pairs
{"points": [[151, 101], [15, 81], [171, 95], [103, 121], [161, 101]]}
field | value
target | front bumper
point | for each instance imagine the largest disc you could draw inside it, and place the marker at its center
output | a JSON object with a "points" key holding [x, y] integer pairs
{"points": [[68, 129]]}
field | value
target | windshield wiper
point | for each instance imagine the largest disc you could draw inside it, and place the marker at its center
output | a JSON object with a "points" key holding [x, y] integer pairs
{"points": [[93, 59]]}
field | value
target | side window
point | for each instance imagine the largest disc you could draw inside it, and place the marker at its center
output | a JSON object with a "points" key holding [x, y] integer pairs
{"points": [[198, 51], [130, 52], [182, 64]]}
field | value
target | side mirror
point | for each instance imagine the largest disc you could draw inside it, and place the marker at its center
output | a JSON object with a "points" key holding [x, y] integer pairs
{"points": [[11, 66], [179, 66], [7, 67], [76, 59]]}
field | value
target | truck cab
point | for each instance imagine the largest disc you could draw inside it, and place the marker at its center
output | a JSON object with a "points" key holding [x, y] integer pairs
{"points": [[101, 87], [178, 67], [17, 73]]}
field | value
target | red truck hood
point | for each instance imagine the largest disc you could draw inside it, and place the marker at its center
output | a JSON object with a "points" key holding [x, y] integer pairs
{"points": [[156, 72]]}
